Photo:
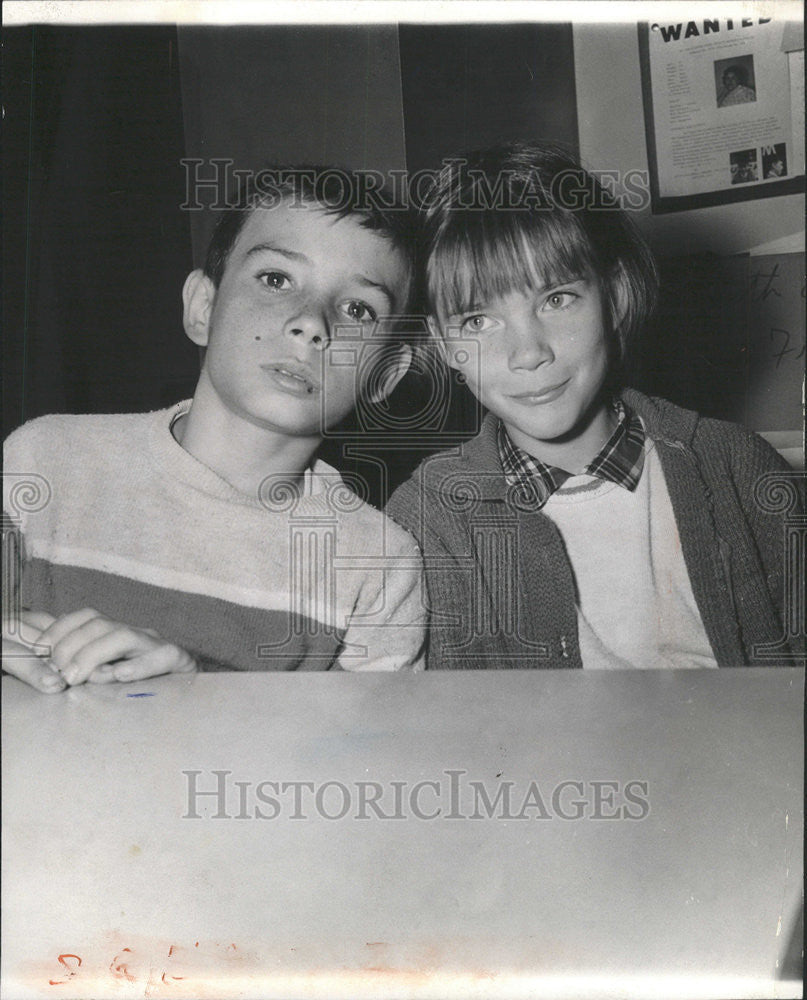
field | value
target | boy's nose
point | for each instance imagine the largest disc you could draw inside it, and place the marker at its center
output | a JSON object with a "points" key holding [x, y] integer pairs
{"points": [[529, 348], [311, 327]]}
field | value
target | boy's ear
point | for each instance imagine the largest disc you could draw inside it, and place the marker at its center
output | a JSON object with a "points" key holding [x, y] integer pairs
{"points": [[198, 294], [393, 368]]}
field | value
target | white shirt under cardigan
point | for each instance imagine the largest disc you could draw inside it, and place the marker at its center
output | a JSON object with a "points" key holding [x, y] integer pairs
{"points": [[112, 513], [636, 608]]}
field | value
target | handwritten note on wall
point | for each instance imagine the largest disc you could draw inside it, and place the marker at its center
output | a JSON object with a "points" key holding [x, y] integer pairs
{"points": [[776, 342], [728, 339]]}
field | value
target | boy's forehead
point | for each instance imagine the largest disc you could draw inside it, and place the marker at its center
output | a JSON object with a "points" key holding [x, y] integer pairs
{"points": [[305, 223], [298, 219]]}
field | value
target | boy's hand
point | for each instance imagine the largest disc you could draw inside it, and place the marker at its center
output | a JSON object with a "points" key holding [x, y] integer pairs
{"points": [[84, 645], [22, 662]]}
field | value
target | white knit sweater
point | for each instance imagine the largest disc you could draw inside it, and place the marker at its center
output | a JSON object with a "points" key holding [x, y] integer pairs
{"points": [[113, 514]]}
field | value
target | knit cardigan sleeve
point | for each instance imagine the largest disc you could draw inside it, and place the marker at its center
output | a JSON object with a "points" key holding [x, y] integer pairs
{"points": [[767, 491], [447, 577]]}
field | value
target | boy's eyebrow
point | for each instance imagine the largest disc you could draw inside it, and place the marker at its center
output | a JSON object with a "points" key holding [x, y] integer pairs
{"points": [[360, 279]]}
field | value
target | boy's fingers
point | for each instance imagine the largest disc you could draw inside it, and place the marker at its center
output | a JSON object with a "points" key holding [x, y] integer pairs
{"points": [[37, 619], [65, 655], [31, 670], [26, 627], [95, 643], [165, 659], [62, 627], [105, 674]]}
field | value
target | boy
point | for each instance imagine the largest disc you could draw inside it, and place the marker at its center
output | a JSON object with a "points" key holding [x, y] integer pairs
{"points": [[210, 529], [586, 524]]}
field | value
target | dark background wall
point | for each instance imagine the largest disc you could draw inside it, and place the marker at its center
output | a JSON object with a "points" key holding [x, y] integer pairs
{"points": [[466, 86], [324, 94], [94, 248]]}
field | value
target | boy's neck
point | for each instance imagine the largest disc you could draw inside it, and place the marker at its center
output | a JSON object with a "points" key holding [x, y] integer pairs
{"points": [[242, 453], [574, 451]]}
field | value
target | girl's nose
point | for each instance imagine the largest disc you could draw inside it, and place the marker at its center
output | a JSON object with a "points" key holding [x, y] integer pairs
{"points": [[529, 347]]}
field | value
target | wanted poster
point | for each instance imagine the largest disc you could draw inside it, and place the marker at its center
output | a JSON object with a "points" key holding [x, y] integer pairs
{"points": [[722, 102]]}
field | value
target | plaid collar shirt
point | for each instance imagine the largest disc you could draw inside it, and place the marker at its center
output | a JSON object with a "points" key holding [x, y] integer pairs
{"points": [[620, 460]]}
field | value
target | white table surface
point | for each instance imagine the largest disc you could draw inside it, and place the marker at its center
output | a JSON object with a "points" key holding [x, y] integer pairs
{"points": [[698, 899]]}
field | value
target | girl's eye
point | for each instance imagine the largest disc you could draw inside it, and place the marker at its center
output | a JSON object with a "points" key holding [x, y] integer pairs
{"points": [[360, 312], [275, 280], [477, 324], [559, 300]]}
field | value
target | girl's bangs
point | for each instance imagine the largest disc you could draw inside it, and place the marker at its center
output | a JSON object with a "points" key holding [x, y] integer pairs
{"points": [[479, 256]]}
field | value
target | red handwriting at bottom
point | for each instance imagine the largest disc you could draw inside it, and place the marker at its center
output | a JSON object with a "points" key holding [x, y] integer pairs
{"points": [[124, 966], [118, 967], [68, 970]]}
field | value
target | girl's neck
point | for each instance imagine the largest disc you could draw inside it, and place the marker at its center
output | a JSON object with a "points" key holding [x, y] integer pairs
{"points": [[577, 449]]}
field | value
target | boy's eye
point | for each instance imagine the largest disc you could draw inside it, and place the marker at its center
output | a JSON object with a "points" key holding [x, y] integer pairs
{"points": [[559, 300], [477, 324], [360, 312], [275, 280]]}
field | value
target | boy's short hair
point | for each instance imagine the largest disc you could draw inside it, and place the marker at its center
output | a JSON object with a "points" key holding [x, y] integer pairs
{"points": [[337, 192], [522, 215]]}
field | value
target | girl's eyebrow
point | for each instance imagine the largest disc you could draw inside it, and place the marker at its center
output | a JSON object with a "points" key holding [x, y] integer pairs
{"points": [[480, 306], [572, 279], [264, 247]]}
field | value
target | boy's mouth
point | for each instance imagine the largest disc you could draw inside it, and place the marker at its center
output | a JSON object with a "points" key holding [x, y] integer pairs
{"points": [[292, 377]]}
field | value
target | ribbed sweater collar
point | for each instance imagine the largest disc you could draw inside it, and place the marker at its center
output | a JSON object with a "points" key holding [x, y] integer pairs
{"points": [[321, 481], [479, 461]]}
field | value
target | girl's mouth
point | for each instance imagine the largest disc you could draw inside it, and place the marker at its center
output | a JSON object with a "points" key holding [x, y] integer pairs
{"points": [[543, 395]]}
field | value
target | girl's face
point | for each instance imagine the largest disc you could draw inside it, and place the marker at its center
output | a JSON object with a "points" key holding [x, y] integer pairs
{"points": [[537, 359]]}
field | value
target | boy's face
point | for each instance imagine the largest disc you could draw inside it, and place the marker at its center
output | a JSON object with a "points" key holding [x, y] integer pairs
{"points": [[536, 359], [291, 329]]}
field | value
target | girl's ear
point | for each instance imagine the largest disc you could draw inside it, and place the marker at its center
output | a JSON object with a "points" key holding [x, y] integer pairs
{"points": [[620, 295], [393, 366], [198, 294]]}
